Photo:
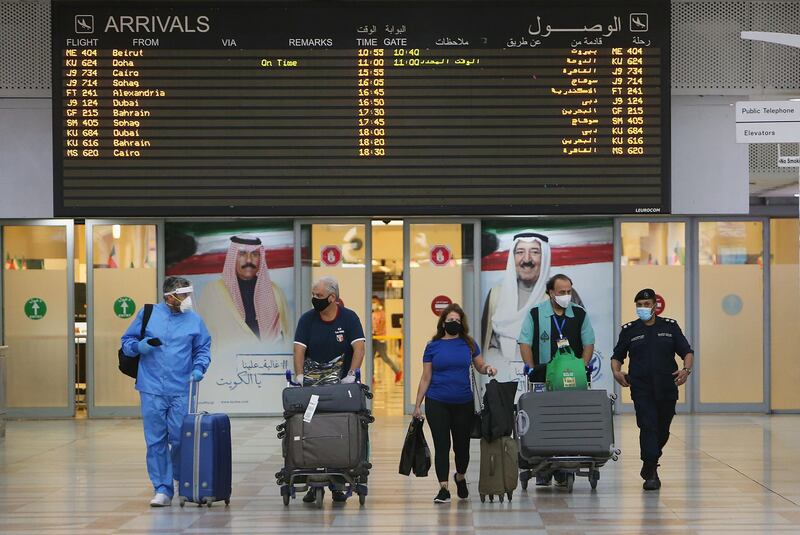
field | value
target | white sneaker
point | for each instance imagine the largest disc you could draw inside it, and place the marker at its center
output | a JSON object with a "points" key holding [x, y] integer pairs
{"points": [[161, 500]]}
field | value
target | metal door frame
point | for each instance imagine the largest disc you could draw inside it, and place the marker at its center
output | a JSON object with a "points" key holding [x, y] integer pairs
{"points": [[407, 290], [114, 411], [686, 406], [69, 228], [764, 406]]}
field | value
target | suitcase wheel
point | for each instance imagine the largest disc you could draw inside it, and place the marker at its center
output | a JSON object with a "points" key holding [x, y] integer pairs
{"points": [[501, 498], [483, 498], [362, 499], [286, 500], [210, 500], [570, 482], [182, 501], [524, 484], [320, 494], [509, 496], [227, 502], [491, 498], [594, 477]]}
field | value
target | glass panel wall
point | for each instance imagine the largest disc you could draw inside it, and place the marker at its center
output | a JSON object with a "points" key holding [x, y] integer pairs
{"points": [[653, 256], [731, 313], [785, 305], [37, 319]]}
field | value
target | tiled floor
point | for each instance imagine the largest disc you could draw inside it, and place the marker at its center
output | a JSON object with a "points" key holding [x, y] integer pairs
{"points": [[721, 474]]}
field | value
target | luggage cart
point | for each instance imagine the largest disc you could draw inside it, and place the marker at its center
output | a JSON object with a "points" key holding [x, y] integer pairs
{"points": [[571, 465], [292, 481]]}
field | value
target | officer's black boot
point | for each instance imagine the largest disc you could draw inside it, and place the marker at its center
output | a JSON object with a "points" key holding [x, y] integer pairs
{"points": [[650, 475]]}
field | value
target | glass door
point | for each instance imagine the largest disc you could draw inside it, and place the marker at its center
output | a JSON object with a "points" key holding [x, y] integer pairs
{"points": [[122, 276], [339, 250], [440, 269], [730, 371], [38, 318], [785, 309], [653, 255]]}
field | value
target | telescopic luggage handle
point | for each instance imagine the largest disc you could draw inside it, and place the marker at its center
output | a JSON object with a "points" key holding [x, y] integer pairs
{"points": [[194, 394]]}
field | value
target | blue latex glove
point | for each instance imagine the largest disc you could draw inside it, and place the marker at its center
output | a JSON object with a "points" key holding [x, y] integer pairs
{"points": [[143, 347], [197, 375]]}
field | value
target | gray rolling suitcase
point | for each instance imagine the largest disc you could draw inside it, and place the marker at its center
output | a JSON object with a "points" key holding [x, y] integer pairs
{"points": [[332, 398], [565, 423], [336, 441]]}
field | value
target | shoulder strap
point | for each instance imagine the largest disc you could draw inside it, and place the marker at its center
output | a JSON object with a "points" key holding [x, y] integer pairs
{"points": [[148, 310]]}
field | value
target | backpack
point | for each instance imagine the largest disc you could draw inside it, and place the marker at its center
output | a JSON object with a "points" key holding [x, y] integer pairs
{"points": [[566, 371], [130, 365]]}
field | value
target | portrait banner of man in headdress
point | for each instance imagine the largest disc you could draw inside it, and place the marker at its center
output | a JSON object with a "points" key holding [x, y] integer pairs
{"points": [[517, 262], [244, 287]]}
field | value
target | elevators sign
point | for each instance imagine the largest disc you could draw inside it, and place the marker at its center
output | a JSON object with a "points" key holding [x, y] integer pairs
{"points": [[331, 255]]}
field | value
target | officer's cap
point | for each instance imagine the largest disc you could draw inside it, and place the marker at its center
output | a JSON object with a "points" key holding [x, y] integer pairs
{"points": [[647, 293]]}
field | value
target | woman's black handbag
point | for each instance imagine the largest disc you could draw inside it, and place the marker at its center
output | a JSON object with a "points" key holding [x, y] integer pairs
{"points": [[416, 456]]}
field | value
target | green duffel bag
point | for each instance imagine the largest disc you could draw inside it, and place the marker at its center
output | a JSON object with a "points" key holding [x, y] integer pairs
{"points": [[566, 371]]}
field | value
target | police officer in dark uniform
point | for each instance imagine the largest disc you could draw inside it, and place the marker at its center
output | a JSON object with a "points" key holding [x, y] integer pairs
{"points": [[651, 342]]}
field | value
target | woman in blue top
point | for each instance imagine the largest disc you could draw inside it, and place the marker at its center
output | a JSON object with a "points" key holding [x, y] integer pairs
{"points": [[445, 387]]}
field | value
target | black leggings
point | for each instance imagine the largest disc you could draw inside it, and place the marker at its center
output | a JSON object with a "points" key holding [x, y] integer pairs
{"points": [[445, 419]]}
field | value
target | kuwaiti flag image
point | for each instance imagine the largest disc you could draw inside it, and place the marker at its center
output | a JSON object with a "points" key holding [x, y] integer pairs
{"points": [[243, 280], [581, 249]]}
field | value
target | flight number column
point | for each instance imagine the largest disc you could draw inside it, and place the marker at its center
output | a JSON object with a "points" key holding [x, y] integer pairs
{"points": [[81, 105], [371, 103], [627, 101]]}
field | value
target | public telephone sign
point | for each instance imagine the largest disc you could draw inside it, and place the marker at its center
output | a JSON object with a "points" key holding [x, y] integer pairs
{"points": [[124, 307]]}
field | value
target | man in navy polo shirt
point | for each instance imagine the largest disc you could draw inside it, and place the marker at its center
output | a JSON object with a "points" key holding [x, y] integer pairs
{"points": [[324, 333]]}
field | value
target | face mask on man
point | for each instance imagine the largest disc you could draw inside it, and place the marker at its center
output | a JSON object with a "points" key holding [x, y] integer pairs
{"points": [[320, 304], [452, 327], [644, 313], [187, 305], [563, 300]]}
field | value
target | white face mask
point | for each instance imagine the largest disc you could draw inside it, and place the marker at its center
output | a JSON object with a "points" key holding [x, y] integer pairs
{"points": [[563, 300], [186, 304]]}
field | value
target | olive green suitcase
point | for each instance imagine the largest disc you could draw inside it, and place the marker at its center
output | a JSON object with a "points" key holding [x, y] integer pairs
{"points": [[499, 468]]}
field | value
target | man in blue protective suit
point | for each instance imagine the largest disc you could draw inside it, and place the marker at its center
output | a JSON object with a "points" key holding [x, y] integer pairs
{"points": [[176, 347]]}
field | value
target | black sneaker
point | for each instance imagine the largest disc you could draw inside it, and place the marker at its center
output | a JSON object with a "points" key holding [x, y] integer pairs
{"points": [[461, 487], [310, 496], [338, 496], [443, 496]]}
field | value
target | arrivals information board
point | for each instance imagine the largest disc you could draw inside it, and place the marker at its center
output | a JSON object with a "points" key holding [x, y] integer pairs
{"points": [[360, 108]]}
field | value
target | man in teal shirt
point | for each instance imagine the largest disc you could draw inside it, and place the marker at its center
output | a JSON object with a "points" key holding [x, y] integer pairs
{"points": [[550, 323], [556, 319]]}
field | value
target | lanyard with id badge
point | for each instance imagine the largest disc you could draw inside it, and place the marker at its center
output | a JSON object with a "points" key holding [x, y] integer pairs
{"points": [[561, 342]]}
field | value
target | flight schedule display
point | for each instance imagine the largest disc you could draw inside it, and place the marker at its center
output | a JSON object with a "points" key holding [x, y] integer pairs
{"points": [[360, 108]]}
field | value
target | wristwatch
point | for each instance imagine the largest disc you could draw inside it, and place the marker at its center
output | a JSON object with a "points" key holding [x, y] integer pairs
{"points": [[688, 370]]}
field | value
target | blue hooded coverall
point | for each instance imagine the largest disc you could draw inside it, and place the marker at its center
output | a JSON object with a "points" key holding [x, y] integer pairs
{"points": [[163, 384]]}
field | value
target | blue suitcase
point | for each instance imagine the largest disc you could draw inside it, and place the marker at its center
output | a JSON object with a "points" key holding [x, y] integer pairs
{"points": [[205, 456]]}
